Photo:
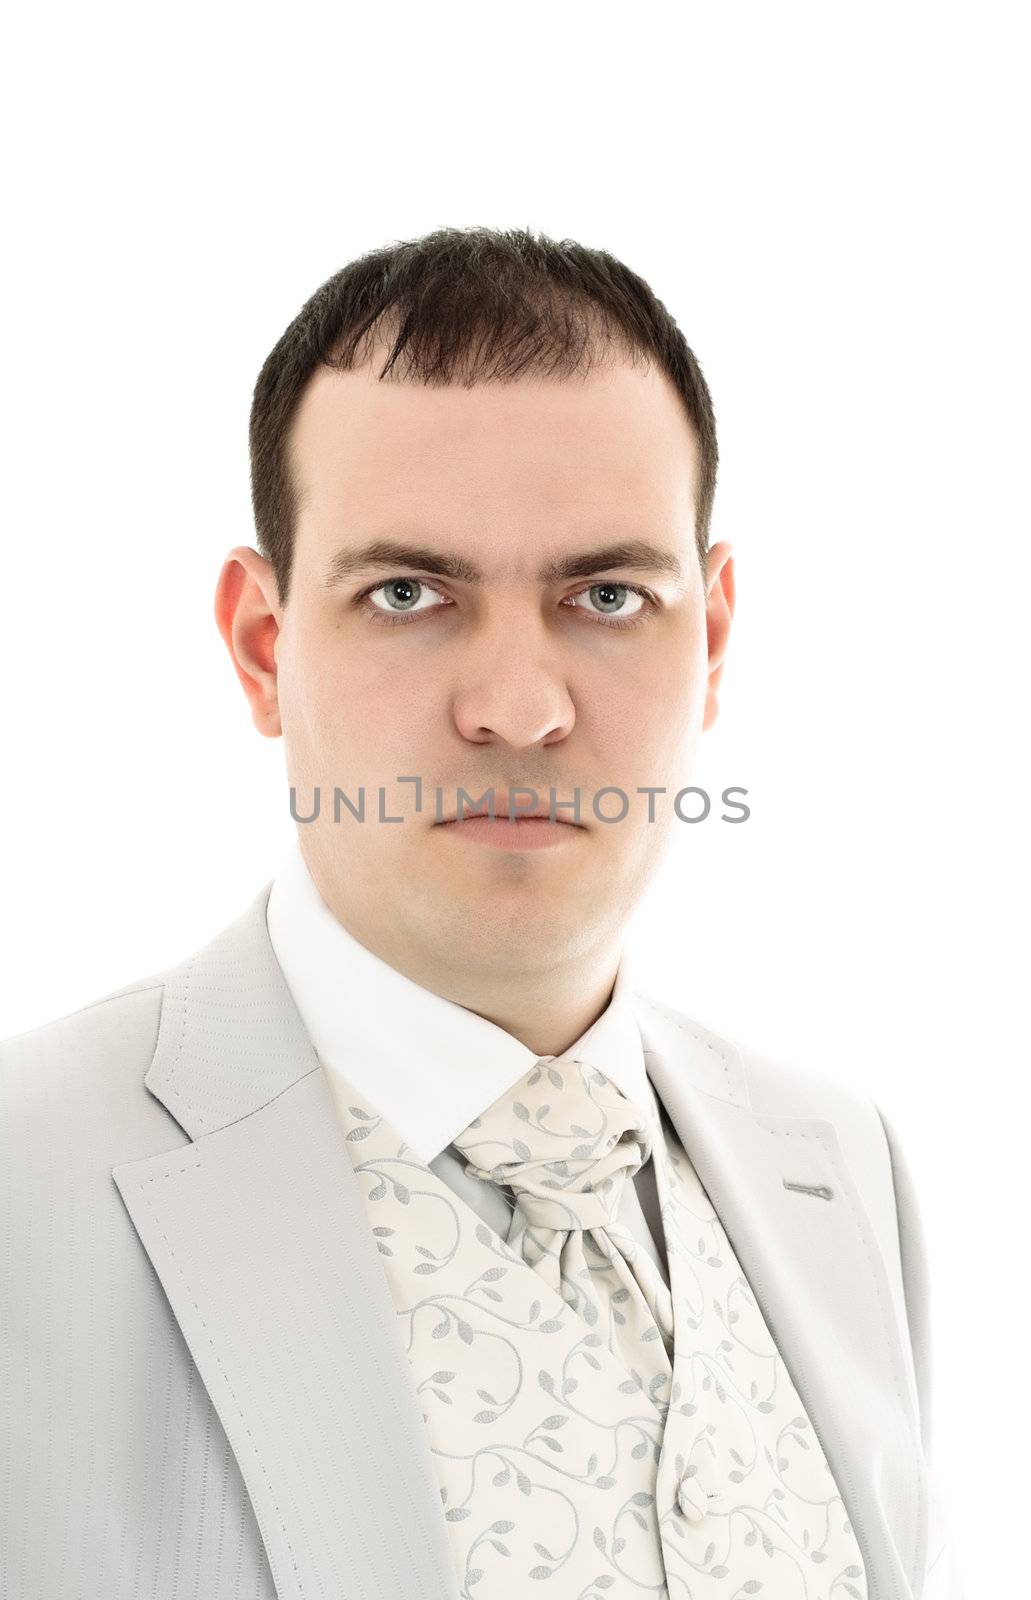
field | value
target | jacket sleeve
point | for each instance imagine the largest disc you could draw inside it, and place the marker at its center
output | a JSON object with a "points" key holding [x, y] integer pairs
{"points": [[941, 1578]]}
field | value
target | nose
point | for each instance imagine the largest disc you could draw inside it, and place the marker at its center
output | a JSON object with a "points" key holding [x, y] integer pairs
{"points": [[512, 688]]}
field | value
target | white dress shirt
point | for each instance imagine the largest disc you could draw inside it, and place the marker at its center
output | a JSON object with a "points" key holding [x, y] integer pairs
{"points": [[431, 1066]]}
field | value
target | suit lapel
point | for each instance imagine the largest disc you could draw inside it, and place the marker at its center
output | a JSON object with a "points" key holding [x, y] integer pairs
{"points": [[802, 1235], [257, 1231]]}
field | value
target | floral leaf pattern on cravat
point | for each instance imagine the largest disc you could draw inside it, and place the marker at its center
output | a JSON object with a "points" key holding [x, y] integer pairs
{"points": [[584, 1139], [562, 1465]]}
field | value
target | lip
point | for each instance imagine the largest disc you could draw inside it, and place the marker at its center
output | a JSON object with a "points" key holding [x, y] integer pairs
{"points": [[501, 810], [512, 833]]}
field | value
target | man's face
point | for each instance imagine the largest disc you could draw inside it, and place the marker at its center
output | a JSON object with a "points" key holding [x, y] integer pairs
{"points": [[483, 685]]}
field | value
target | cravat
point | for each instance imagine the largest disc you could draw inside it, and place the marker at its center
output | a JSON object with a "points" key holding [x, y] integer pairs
{"points": [[565, 1139]]}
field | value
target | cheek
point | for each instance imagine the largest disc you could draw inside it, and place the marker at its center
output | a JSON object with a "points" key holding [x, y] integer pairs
{"points": [[370, 724], [675, 700], [655, 708]]}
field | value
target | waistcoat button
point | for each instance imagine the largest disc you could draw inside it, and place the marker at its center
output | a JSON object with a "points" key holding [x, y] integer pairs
{"points": [[691, 1499]]}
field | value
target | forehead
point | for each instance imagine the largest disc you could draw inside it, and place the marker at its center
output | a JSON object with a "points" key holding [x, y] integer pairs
{"points": [[520, 460]]}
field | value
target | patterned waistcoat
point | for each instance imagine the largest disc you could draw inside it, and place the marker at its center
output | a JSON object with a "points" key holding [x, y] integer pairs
{"points": [[560, 1466]]}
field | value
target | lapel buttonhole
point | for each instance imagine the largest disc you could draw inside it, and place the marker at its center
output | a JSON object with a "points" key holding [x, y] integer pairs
{"points": [[821, 1190]]}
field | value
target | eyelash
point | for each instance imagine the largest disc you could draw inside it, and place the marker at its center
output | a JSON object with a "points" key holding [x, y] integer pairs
{"points": [[377, 616]]}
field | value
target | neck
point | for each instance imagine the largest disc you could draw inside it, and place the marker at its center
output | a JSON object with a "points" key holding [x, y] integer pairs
{"points": [[545, 1003]]}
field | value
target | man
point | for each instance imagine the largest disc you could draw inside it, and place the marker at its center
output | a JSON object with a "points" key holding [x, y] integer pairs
{"points": [[397, 1242]]}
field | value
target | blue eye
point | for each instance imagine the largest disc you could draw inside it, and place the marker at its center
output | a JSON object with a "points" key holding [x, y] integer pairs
{"points": [[618, 591], [410, 591]]}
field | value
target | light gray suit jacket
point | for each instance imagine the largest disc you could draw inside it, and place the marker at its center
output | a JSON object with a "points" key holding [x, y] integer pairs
{"points": [[203, 1388]]}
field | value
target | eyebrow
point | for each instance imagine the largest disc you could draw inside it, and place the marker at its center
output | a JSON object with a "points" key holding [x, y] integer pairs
{"points": [[394, 555]]}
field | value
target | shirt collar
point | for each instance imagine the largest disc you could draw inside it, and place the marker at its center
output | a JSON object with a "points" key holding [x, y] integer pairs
{"points": [[428, 1065]]}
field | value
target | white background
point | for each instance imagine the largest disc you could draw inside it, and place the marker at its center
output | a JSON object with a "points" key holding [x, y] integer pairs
{"points": [[832, 203]]}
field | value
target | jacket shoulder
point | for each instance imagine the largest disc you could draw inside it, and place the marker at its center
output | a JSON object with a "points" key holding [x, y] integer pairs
{"points": [[79, 1052], [109, 1021]]}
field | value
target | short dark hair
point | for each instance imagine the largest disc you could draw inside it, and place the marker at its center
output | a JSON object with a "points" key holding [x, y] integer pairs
{"points": [[465, 305]]}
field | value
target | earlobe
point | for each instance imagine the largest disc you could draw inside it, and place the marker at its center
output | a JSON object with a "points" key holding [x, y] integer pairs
{"points": [[247, 618]]}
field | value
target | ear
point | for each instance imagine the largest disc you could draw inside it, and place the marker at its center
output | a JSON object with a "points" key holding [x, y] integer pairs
{"points": [[249, 618], [719, 609]]}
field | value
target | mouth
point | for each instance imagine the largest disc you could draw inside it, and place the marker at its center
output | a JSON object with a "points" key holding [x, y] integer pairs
{"points": [[539, 813], [533, 830]]}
